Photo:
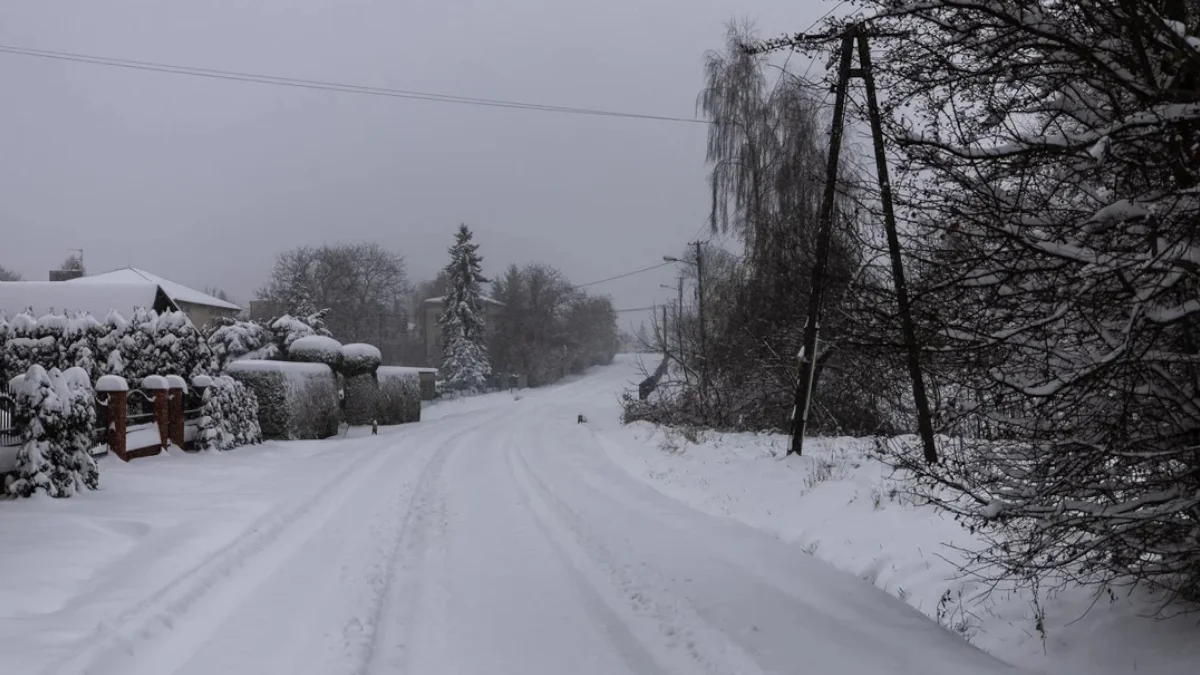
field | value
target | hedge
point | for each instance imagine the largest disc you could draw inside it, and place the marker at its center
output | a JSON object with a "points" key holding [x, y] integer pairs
{"points": [[295, 400], [399, 395]]}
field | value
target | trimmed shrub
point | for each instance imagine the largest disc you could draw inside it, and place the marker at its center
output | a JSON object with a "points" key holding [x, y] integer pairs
{"points": [[316, 349], [360, 359], [399, 399], [295, 400], [362, 399]]}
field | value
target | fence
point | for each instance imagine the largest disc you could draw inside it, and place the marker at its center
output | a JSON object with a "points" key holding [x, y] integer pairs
{"points": [[10, 435]]}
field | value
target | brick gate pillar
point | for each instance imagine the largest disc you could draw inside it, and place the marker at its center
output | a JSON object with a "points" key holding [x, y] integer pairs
{"points": [[117, 391]]}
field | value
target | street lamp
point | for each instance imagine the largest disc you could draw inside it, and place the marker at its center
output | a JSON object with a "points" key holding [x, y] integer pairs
{"points": [[668, 258]]}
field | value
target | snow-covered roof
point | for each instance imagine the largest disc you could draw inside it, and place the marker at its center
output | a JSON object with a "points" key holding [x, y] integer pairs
{"points": [[62, 297], [177, 292], [440, 300]]}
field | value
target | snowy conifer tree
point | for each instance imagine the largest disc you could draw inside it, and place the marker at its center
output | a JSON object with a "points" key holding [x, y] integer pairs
{"points": [[52, 339], [176, 346], [233, 340], [108, 345], [80, 339], [137, 346], [81, 422], [464, 358], [229, 416], [20, 347], [57, 413]]}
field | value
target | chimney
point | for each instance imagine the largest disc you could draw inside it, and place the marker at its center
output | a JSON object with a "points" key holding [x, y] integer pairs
{"points": [[65, 275]]}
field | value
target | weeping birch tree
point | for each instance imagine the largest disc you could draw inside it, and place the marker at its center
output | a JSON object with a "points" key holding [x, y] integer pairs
{"points": [[766, 151]]}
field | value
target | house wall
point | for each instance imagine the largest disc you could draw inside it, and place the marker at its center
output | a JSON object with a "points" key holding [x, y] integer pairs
{"points": [[202, 316]]}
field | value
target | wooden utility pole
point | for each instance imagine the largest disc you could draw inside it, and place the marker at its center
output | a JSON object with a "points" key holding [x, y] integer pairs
{"points": [[700, 311], [679, 319], [856, 34]]}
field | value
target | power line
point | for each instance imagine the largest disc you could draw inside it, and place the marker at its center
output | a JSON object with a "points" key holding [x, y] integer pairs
{"points": [[339, 87], [622, 276]]}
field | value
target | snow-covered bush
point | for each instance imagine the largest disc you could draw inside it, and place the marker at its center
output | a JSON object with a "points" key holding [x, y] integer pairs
{"points": [[362, 398], [56, 412], [229, 415], [176, 346], [399, 395], [109, 343], [316, 349], [295, 400], [145, 345], [359, 359], [20, 346], [287, 329], [231, 340]]}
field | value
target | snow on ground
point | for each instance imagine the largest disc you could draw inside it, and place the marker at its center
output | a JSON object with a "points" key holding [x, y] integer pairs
{"points": [[840, 505], [496, 536]]}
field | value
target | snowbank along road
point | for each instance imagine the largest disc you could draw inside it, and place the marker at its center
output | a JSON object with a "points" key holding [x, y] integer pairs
{"points": [[495, 537]]}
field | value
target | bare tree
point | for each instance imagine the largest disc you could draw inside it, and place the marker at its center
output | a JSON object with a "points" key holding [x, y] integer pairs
{"points": [[1048, 177], [766, 150], [218, 293], [364, 287], [9, 275], [73, 263]]}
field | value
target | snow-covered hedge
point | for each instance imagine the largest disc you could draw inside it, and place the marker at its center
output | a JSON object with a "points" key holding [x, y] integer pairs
{"points": [[56, 411], [229, 415], [295, 400], [360, 359], [147, 343], [362, 399], [399, 395], [316, 349]]}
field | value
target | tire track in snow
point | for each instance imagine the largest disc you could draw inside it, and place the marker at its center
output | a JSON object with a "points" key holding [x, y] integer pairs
{"points": [[424, 507], [645, 603], [120, 638], [618, 629]]}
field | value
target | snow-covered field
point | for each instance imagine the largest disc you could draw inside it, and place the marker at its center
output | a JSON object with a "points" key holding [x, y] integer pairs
{"points": [[496, 536]]}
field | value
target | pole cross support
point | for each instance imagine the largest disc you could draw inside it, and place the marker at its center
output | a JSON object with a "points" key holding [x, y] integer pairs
{"points": [[856, 35]]}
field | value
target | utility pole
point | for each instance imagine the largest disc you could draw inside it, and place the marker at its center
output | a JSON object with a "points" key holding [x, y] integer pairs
{"points": [[679, 319], [664, 332], [855, 33], [678, 315], [700, 311]]}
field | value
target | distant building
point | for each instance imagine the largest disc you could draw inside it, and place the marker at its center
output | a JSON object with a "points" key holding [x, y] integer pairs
{"points": [[54, 297], [201, 308], [433, 332]]}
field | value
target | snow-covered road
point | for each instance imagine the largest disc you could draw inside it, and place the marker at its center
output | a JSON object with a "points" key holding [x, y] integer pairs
{"points": [[494, 537]]}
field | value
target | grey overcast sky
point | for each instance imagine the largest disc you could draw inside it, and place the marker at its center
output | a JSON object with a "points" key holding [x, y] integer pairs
{"points": [[204, 181]]}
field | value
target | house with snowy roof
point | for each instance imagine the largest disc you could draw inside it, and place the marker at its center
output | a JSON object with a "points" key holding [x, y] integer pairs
{"points": [[56, 297], [199, 307], [123, 290]]}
